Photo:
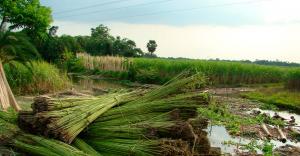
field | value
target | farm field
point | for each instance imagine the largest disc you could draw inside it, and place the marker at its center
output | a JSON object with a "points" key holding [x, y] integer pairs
{"points": [[218, 73], [149, 78], [231, 94]]}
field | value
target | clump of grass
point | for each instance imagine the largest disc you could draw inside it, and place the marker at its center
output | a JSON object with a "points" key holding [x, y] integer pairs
{"points": [[36, 77], [293, 80], [104, 63]]}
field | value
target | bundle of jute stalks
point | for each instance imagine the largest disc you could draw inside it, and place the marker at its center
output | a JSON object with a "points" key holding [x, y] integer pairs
{"points": [[64, 119], [141, 122], [155, 124], [13, 141]]}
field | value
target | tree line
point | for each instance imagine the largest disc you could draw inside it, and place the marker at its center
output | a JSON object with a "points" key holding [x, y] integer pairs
{"points": [[100, 42], [32, 21]]}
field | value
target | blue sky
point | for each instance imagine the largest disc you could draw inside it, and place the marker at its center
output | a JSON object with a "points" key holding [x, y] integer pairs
{"points": [[171, 12], [226, 29]]}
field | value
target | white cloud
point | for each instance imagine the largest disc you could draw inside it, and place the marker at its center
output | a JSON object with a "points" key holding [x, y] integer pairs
{"points": [[203, 41]]}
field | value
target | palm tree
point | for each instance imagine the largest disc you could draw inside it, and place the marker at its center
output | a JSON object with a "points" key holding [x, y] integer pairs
{"points": [[13, 47]]}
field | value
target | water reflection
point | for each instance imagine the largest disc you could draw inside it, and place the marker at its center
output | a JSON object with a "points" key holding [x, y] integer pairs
{"points": [[95, 85], [217, 135]]}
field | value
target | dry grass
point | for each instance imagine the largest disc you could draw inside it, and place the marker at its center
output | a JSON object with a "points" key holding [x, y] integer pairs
{"points": [[104, 63]]}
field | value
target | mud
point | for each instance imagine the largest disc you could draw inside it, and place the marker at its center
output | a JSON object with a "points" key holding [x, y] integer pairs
{"points": [[287, 150], [241, 107]]}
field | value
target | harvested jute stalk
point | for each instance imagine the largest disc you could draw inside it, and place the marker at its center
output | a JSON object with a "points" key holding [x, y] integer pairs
{"points": [[12, 137], [66, 118], [265, 129], [282, 135]]}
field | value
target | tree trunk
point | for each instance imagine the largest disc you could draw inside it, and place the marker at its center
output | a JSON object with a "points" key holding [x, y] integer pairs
{"points": [[3, 24], [7, 97]]}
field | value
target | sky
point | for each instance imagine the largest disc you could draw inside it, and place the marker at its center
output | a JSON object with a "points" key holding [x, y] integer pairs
{"points": [[202, 29]]}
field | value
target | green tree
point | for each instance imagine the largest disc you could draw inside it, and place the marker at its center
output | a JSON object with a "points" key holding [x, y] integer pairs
{"points": [[126, 47], [53, 48], [13, 47], [100, 32], [28, 15], [102, 43], [151, 45]]}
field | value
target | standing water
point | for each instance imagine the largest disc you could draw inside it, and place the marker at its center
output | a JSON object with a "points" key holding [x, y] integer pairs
{"points": [[218, 136]]}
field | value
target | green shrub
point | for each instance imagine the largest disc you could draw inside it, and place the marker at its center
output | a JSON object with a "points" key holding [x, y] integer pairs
{"points": [[74, 65], [37, 77], [293, 79]]}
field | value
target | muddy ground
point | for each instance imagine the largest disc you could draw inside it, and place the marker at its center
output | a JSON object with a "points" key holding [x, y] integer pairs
{"points": [[246, 108]]}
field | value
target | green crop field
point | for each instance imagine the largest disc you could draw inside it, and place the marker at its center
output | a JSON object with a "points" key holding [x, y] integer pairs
{"points": [[160, 70], [218, 72]]}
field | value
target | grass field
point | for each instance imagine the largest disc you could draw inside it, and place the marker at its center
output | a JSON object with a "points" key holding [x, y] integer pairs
{"points": [[159, 70], [293, 80], [221, 72], [276, 95]]}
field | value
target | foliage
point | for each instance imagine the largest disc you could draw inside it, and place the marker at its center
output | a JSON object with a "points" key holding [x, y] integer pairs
{"points": [[126, 47], [98, 45], [100, 42], [40, 77], [54, 49], [293, 79], [15, 46], [267, 148], [151, 45], [27, 15], [74, 65]]}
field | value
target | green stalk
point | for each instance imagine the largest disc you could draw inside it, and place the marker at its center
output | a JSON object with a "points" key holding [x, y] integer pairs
{"points": [[80, 144]]}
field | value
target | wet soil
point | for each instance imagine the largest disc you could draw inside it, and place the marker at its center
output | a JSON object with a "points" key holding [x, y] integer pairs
{"points": [[244, 107]]}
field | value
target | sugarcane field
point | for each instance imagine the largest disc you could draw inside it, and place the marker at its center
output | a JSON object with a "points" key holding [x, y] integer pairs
{"points": [[149, 78]]}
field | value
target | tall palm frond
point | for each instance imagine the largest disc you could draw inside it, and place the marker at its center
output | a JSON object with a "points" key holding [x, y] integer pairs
{"points": [[16, 47], [13, 47]]}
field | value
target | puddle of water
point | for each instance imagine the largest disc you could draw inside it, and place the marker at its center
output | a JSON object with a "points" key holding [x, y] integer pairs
{"points": [[217, 135], [86, 83]]}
